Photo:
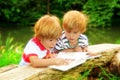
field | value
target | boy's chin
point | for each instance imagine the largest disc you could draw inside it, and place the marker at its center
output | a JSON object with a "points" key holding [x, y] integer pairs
{"points": [[71, 41]]}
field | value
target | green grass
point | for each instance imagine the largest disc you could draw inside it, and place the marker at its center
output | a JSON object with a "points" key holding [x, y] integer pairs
{"points": [[10, 53], [118, 41], [102, 75]]}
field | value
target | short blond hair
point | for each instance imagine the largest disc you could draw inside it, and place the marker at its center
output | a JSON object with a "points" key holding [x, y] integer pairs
{"points": [[48, 27], [74, 19], [115, 64]]}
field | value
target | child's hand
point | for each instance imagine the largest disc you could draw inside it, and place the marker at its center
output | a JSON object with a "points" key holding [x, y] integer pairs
{"points": [[50, 55], [60, 61], [85, 49], [78, 49], [53, 55]]}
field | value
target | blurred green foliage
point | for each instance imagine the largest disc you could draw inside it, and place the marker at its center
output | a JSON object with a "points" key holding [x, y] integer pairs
{"points": [[26, 12], [10, 53]]}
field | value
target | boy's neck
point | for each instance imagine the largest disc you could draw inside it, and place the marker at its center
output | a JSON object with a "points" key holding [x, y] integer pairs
{"points": [[73, 44]]}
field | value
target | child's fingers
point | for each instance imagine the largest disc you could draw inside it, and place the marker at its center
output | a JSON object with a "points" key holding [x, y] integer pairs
{"points": [[53, 55]]}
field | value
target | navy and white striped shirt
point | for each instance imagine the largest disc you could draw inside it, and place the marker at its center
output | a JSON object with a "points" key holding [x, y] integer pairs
{"points": [[63, 42]]}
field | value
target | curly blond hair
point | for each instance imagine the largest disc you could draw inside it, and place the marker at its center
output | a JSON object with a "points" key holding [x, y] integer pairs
{"points": [[74, 19], [48, 27]]}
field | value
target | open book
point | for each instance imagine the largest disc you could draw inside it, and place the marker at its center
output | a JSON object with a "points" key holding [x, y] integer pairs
{"points": [[75, 59]]}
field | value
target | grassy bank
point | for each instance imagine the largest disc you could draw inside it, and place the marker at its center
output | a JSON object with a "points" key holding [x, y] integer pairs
{"points": [[11, 54]]}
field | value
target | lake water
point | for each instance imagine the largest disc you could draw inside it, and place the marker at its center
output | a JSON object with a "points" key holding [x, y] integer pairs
{"points": [[104, 35], [95, 35]]}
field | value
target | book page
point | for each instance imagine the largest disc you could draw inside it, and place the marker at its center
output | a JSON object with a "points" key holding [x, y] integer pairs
{"points": [[74, 58]]}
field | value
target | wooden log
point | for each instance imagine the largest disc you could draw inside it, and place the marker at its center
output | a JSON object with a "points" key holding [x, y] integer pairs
{"points": [[29, 73], [7, 68], [21, 73]]}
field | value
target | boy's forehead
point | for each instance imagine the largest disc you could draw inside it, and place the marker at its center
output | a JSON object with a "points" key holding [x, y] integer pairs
{"points": [[73, 30]]}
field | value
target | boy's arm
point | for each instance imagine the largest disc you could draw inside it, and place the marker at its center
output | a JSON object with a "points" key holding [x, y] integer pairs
{"points": [[83, 41], [67, 50], [82, 44], [59, 46], [37, 62], [80, 49]]}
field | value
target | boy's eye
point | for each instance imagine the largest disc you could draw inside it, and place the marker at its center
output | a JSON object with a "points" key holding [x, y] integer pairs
{"points": [[50, 40], [53, 40], [75, 32], [68, 31]]}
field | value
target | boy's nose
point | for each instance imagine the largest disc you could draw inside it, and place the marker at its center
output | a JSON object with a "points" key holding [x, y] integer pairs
{"points": [[53, 43], [71, 35]]}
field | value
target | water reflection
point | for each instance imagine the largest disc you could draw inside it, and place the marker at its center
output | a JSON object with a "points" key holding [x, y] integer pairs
{"points": [[20, 34], [103, 35], [95, 35]]}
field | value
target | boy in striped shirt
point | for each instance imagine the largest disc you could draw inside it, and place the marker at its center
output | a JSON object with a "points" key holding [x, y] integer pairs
{"points": [[72, 39]]}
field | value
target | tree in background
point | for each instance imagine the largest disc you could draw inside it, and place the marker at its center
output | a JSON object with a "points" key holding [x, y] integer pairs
{"points": [[26, 12], [100, 12]]}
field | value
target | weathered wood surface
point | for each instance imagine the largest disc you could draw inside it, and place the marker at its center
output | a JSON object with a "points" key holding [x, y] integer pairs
{"points": [[7, 68], [30, 73]]}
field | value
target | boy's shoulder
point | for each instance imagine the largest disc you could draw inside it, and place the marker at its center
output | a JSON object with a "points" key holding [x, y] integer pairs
{"points": [[63, 35], [63, 32], [83, 35]]}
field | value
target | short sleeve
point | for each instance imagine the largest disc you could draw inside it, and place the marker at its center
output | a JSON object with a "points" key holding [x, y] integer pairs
{"points": [[59, 45], [83, 40], [31, 49]]}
